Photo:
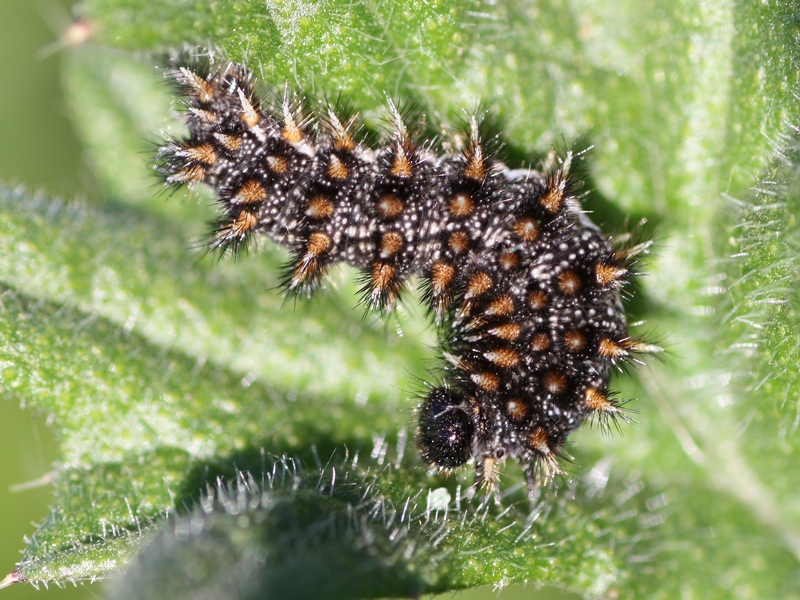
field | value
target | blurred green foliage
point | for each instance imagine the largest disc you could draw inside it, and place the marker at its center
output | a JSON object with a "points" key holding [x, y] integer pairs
{"points": [[163, 373]]}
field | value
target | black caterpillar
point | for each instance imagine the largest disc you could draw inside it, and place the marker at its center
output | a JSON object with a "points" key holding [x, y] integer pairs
{"points": [[526, 290]]}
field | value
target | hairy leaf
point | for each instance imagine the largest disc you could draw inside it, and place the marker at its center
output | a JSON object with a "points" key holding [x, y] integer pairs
{"points": [[180, 387]]}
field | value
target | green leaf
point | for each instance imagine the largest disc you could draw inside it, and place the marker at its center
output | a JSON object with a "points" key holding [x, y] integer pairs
{"points": [[89, 344], [118, 108], [765, 329], [343, 535], [166, 373]]}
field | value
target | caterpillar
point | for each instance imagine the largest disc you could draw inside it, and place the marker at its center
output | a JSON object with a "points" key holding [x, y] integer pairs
{"points": [[525, 289]]}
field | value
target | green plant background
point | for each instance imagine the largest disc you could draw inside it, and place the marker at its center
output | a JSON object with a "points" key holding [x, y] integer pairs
{"points": [[38, 148], [137, 351]]}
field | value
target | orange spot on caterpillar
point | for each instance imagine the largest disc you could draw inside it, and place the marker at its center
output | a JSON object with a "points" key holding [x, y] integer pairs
{"points": [[502, 357], [475, 169], [391, 243], [503, 306], [442, 274], [539, 440], [574, 341], [596, 400], [277, 163], [526, 229], [401, 166], [507, 331], [461, 205], [336, 168], [509, 261], [204, 153], [569, 282], [517, 409], [537, 300], [610, 349], [540, 342], [204, 91], [251, 192], [609, 274], [555, 383], [318, 243], [458, 242], [319, 207], [382, 276], [230, 142], [250, 116], [389, 206], [486, 380], [479, 284]]}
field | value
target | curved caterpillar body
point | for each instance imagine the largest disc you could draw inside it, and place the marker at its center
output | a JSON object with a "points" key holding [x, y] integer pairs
{"points": [[525, 288]]}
